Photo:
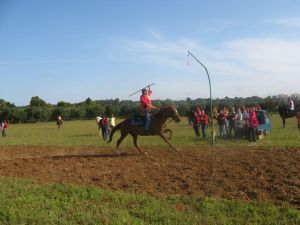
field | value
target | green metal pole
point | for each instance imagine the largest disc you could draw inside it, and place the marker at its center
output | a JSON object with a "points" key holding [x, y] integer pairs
{"points": [[211, 114]]}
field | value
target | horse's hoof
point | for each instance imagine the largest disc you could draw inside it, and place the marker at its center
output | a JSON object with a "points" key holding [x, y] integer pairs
{"points": [[117, 153], [177, 149]]}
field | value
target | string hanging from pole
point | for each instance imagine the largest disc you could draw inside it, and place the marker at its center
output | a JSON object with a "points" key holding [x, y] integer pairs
{"points": [[188, 62]]}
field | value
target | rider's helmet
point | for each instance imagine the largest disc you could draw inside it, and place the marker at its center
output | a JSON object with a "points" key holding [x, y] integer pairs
{"points": [[144, 90]]}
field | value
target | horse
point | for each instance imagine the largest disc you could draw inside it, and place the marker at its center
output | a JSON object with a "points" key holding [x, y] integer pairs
{"points": [[159, 118], [285, 113]]}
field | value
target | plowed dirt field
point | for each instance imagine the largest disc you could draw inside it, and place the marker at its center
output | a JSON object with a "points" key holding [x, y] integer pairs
{"points": [[248, 173]]}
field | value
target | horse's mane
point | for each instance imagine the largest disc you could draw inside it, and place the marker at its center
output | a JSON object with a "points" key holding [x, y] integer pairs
{"points": [[161, 109]]}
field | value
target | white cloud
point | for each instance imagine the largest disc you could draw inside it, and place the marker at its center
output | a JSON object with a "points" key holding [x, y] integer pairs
{"points": [[155, 34], [242, 67], [287, 21]]}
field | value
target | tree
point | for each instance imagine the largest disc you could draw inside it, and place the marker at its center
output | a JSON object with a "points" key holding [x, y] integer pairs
{"points": [[63, 104], [108, 111], [78, 112], [88, 101], [37, 102], [37, 114]]}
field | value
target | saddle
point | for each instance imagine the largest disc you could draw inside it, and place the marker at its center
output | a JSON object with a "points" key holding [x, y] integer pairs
{"points": [[137, 120]]}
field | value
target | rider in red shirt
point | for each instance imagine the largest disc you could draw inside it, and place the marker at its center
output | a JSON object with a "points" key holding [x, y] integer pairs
{"points": [[146, 107]]}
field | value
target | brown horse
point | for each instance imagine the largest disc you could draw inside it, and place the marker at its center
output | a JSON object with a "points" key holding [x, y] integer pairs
{"points": [[157, 127], [285, 113]]}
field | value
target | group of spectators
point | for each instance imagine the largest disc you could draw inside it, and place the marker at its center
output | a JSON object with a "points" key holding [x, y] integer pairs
{"points": [[198, 119], [237, 123], [105, 124], [232, 123]]}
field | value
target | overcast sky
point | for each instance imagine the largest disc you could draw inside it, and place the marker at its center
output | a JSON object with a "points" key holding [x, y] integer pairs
{"points": [[68, 50]]}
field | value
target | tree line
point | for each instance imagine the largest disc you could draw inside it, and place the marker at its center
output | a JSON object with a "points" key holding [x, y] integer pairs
{"points": [[39, 110]]}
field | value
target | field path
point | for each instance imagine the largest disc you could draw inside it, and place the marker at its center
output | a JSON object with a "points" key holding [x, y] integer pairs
{"points": [[249, 174]]}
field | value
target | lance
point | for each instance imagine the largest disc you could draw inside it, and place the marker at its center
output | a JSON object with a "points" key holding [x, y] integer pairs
{"points": [[141, 89]]}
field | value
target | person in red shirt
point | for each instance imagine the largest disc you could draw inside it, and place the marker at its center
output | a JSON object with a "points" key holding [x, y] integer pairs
{"points": [[104, 128], [4, 128], [252, 124], [196, 119], [204, 123], [146, 107]]}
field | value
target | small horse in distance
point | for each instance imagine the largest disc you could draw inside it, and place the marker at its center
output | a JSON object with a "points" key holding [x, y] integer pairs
{"points": [[157, 127], [285, 113]]}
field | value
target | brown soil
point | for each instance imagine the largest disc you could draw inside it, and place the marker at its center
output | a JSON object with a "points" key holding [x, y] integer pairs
{"points": [[249, 174]]}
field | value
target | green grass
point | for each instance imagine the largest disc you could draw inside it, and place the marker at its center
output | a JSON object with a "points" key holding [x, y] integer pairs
{"points": [[23, 202], [85, 133]]}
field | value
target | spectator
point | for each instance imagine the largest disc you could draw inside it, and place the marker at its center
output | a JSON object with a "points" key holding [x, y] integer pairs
{"points": [[204, 123], [252, 124], [104, 127], [112, 121], [222, 120], [245, 117], [239, 124], [195, 119], [232, 123]]}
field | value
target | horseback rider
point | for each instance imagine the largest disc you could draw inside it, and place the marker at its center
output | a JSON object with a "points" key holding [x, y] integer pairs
{"points": [[146, 107], [291, 105]]}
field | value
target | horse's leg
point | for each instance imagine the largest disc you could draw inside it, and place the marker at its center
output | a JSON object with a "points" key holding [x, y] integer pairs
{"points": [[123, 135], [165, 139], [135, 138], [168, 131], [283, 122]]}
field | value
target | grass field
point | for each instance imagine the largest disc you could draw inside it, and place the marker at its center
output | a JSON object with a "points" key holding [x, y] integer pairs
{"points": [[26, 202], [84, 133], [23, 202]]}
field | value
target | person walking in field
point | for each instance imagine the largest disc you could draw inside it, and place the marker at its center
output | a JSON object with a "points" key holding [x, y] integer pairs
{"points": [[59, 121], [98, 119], [146, 107], [4, 128]]}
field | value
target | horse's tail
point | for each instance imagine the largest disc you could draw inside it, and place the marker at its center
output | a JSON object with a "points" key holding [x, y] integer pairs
{"points": [[113, 131]]}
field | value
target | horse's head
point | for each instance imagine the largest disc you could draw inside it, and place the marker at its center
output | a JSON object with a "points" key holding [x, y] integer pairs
{"points": [[167, 112], [174, 114]]}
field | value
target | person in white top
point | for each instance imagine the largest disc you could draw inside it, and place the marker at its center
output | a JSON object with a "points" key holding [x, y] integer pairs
{"points": [[98, 119]]}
